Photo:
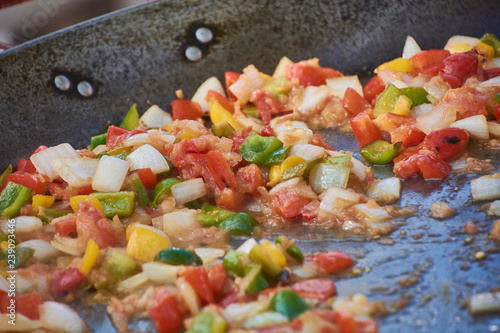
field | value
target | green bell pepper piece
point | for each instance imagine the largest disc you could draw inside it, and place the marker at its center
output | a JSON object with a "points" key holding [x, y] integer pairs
{"points": [[299, 170], [288, 303], [141, 192], [387, 100], [223, 129], [492, 40], [115, 266], [251, 111], [116, 203], [380, 151], [417, 95], [12, 198], [338, 159], [256, 148], [233, 262], [174, 256], [98, 140], [277, 156], [208, 322], [276, 87], [131, 120], [497, 97], [4, 174], [293, 250], [257, 282], [268, 265], [48, 214], [163, 187], [241, 224], [213, 215], [195, 204]]}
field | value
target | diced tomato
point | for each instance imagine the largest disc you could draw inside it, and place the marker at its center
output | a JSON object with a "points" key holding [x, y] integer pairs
{"points": [[115, 135], [249, 178], [310, 211], [288, 204], [319, 141], [197, 277], [331, 261], [84, 190], [452, 80], [230, 78], [496, 112], [148, 178], [231, 199], [424, 161], [447, 142], [213, 95], [460, 65], [364, 130], [217, 277], [354, 103], [66, 226], [60, 191], [408, 134], [328, 73], [267, 131], [92, 224], [219, 170], [427, 58], [491, 73], [367, 326], [233, 297], [345, 321], [165, 312], [266, 103], [186, 109], [373, 88], [239, 137], [21, 165], [310, 73], [35, 182], [27, 166], [318, 289], [25, 304], [63, 281]]}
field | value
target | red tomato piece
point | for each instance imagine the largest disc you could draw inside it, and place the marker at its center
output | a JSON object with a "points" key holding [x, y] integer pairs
{"points": [[496, 112], [267, 131], [331, 261], [310, 211], [92, 224], [364, 130], [266, 103], [249, 179], [345, 321], [213, 95], [29, 167], [165, 312], [373, 88], [148, 178], [491, 73], [115, 135], [217, 277], [63, 281], [239, 137], [452, 80], [231, 199], [197, 277], [408, 134], [367, 326], [61, 191], [354, 103], [35, 182], [288, 204], [66, 226], [84, 190], [424, 161], [460, 65], [328, 73], [25, 304], [186, 109], [447, 142], [21, 165], [427, 58], [233, 297], [318, 289], [319, 141], [310, 73], [230, 78], [219, 170]]}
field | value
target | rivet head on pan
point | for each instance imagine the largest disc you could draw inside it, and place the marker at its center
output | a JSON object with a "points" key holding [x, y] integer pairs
{"points": [[62, 82], [193, 53], [204, 35], [85, 89]]}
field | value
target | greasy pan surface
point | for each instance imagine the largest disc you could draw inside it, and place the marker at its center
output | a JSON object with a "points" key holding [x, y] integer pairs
{"points": [[138, 55]]}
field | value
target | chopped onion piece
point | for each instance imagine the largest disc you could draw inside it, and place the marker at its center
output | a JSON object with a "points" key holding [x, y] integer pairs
{"points": [[371, 214], [147, 156], [176, 223], [399, 84], [199, 96], [491, 82], [42, 159], [313, 97], [486, 187], [247, 246], [265, 319], [461, 39], [136, 140], [420, 110], [24, 224], [484, 303], [307, 151], [335, 199], [76, 172], [189, 295], [325, 175], [209, 255], [441, 116], [239, 312], [411, 47], [22, 324], [340, 84], [23, 285], [67, 245], [242, 89], [44, 251], [476, 126], [189, 190], [110, 174], [281, 126], [288, 183], [61, 318], [133, 282], [492, 63], [436, 88], [155, 117], [418, 81], [494, 129], [281, 68], [385, 191], [4, 284], [254, 75], [494, 209], [160, 273], [388, 75]]}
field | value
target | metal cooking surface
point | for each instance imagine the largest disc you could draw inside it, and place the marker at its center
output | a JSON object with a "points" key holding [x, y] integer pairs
{"points": [[138, 55]]}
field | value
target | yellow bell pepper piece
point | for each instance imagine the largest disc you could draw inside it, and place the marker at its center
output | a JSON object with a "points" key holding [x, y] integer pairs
{"points": [[129, 230], [218, 114], [275, 253], [89, 257], [277, 169], [145, 243], [399, 65], [42, 201], [74, 201], [264, 76], [460, 47], [403, 106], [486, 49]]}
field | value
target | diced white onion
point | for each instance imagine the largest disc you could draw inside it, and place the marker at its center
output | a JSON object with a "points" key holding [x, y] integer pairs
{"points": [[371, 214], [359, 169], [494, 129], [411, 47], [23, 285], [23, 224], [67, 245], [441, 116], [147, 156], [247, 246], [189, 190], [188, 295], [325, 175], [160, 273], [418, 81], [22, 324], [485, 303], [307, 151], [166, 137], [486, 187], [461, 39], [42, 159], [265, 319], [254, 75], [133, 282], [436, 88], [280, 126], [420, 110], [155, 117], [61, 318], [76, 172], [476, 126], [304, 271], [313, 97], [286, 184], [387, 75], [494, 209], [492, 63], [239, 312], [335, 199], [386, 191], [176, 223], [281, 68], [110, 174], [136, 140], [44, 251], [209, 255], [4, 284], [399, 84], [494, 82], [242, 89], [199, 96], [340, 84]]}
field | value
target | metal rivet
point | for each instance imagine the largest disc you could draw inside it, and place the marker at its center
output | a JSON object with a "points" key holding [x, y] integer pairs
{"points": [[204, 35], [85, 89], [62, 82], [193, 53]]}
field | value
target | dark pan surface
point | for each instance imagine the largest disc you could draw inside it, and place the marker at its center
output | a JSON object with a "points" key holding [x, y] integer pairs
{"points": [[138, 55]]}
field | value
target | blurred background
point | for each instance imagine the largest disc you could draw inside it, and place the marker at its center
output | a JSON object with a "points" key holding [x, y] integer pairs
{"points": [[22, 20]]}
